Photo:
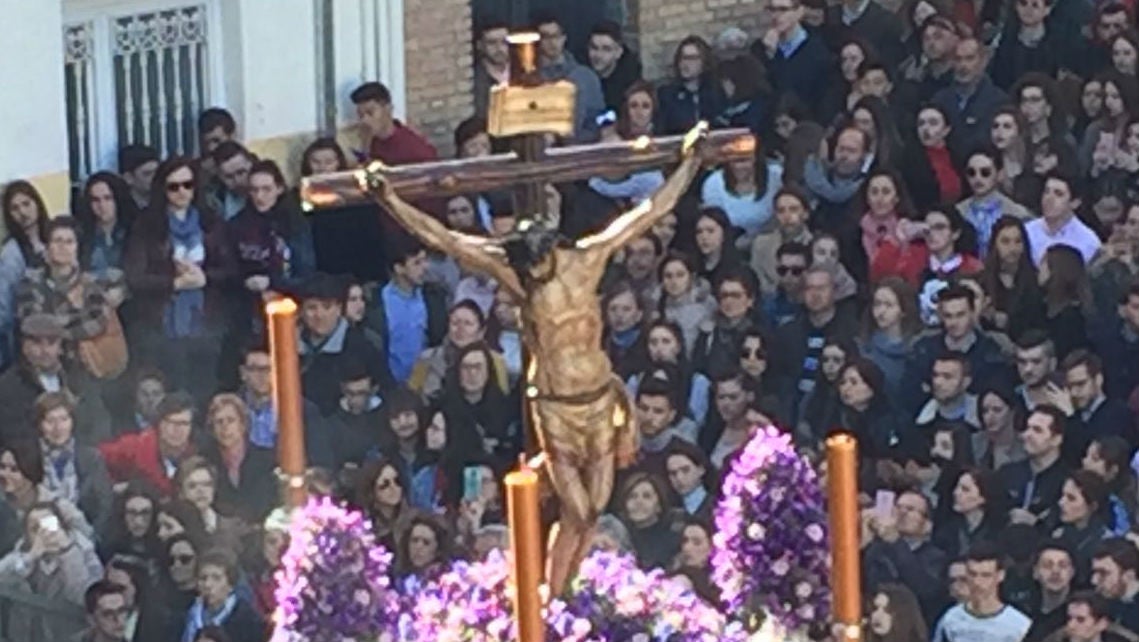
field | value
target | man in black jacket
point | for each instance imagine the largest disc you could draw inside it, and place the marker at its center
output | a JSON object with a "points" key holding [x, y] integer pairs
{"points": [[799, 61], [869, 21], [616, 64], [1118, 343], [327, 341], [973, 99], [1099, 415], [1034, 485], [901, 551]]}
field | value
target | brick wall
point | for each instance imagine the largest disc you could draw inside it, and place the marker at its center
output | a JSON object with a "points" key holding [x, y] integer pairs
{"points": [[661, 24], [437, 53]]}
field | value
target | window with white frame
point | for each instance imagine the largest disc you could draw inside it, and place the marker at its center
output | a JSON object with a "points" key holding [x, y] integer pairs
{"points": [[137, 73]]}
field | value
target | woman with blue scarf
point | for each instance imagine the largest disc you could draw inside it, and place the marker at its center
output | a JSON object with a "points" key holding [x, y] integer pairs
{"points": [[218, 604], [179, 265]]}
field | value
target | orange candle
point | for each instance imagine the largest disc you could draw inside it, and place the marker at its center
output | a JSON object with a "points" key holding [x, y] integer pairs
{"points": [[523, 510], [842, 487], [287, 401]]}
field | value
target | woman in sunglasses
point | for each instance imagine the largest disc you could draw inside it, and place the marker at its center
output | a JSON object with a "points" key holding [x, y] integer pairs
{"points": [[178, 264]]}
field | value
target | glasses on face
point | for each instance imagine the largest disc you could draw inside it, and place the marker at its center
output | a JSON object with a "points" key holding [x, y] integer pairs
{"points": [[793, 270], [753, 353], [983, 172], [183, 559], [176, 186], [384, 483]]}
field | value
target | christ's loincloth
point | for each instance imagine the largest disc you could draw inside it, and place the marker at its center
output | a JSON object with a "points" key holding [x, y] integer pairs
{"points": [[583, 430]]}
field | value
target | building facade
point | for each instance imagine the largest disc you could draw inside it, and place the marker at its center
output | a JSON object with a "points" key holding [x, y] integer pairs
{"points": [[92, 75]]}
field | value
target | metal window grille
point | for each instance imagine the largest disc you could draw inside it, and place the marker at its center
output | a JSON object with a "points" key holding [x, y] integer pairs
{"points": [[154, 67]]}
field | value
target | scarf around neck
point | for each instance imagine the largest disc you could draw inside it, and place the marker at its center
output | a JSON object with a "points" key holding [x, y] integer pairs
{"points": [[185, 313]]}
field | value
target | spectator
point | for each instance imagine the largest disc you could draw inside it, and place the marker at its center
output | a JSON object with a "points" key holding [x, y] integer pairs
{"points": [[216, 126], [792, 209], [878, 26], [732, 429], [410, 315], [834, 181], [106, 214], [1034, 485], [785, 304], [233, 163], [972, 100], [177, 581], [744, 191], [685, 298], [256, 391], [999, 442], [931, 169], [84, 304], [274, 543], [179, 265], [52, 562], [687, 468], [642, 260], [1120, 99], [107, 611], [423, 548], [492, 65], [1035, 49], [39, 370], [244, 480], [801, 340], [138, 165], [645, 511], [1115, 577], [987, 204], [218, 604], [412, 447], [1099, 416], [1108, 457], [1089, 621], [21, 482], [984, 615], [555, 63], [380, 495], [659, 424], [356, 425], [272, 241], [1011, 281], [146, 616], [799, 61], [196, 482], [902, 552], [664, 342], [890, 325], [1081, 507], [466, 325], [1118, 343], [25, 219], [482, 420], [866, 410], [152, 455], [746, 95], [382, 136], [327, 340], [73, 472], [978, 512], [504, 333], [133, 527], [1053, 571], [616, 65], [694, 94], [950, 401], [894, 615], [625, 340], [693, 560]]}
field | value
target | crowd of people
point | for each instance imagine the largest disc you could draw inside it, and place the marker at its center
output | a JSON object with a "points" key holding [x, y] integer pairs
{"points": [[935, 247]]}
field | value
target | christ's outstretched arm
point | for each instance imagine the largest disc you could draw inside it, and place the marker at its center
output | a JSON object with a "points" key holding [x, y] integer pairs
{"points": [[476, 252], [641, 218]]}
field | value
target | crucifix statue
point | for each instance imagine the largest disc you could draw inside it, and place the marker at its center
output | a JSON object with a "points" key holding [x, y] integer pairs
{"points": [[578, 408]]}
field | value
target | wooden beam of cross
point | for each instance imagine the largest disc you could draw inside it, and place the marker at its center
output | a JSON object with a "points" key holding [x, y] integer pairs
{"points": [[524, 112]]}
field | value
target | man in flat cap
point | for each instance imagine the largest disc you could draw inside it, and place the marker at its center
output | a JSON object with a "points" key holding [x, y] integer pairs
{"points": [[41, 369]]}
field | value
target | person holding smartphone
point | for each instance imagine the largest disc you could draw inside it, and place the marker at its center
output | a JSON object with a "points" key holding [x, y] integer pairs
{"points": [[51, 561]]}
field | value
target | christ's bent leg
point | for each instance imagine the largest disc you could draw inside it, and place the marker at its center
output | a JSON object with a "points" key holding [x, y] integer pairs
{"points": [[575, 527]]}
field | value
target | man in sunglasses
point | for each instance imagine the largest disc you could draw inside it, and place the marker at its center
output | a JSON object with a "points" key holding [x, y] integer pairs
{"points": [[984, 170], [786, 302]]}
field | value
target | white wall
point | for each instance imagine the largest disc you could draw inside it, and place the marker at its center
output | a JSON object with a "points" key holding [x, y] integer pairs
{"points": [[368, 37], [33, 134], [270, 66]]}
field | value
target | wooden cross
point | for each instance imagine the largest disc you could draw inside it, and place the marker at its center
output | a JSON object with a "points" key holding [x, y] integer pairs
{"points": [[525, 111]]}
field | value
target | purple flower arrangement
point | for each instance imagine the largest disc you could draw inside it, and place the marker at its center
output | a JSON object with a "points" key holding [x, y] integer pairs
{"points": [[622, 602], [770, 555], [334, 580]]}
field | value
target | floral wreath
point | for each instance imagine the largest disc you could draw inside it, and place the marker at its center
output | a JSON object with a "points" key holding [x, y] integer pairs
{"points": [[770, 555]]}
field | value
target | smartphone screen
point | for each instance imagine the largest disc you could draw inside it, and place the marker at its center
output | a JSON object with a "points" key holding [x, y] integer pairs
{"points": [[50, 524], [472, 483], [884, 503]]}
